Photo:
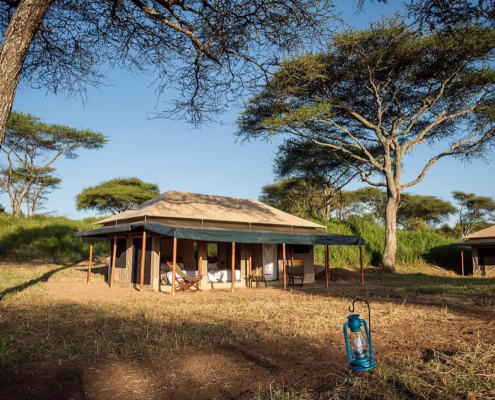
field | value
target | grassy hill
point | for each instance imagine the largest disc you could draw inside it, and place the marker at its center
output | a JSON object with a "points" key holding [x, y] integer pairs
{"points": [[46, 238]]}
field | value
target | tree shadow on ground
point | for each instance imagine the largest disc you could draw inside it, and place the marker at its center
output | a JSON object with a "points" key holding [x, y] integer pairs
{"points": [[26, 285], [83, 351]]}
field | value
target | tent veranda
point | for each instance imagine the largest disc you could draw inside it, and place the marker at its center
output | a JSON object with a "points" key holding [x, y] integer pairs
{"points": [[179, 225]]}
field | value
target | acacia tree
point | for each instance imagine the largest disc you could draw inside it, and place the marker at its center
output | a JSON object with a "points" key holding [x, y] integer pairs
{"points": [[300, 159], [31, 146], [208, 50], [43, 184], [116, 195], [38, 183], [474, 211], [390, 88], [363, 201], [295, 196], [416, 210]]}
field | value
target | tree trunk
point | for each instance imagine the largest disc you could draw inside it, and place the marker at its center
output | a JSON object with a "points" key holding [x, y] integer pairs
{"points": [[390, 250], [17, 39]]}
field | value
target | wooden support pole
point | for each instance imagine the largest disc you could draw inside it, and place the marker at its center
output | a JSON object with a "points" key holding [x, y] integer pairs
{"points": [[250, 264], [233, 268], [285, 267], [174, 261], [362, 265], [112, 274], [327, 267], [143, 258], [462, 261], [90, 260], [292, 256], [200, 261]]}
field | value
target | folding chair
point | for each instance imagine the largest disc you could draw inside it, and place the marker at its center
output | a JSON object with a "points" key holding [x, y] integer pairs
{"points": [[183, 281], [296, 272]]}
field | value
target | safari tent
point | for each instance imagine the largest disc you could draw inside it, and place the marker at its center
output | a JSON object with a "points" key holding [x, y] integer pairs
{"points": [[483, 251], [224, 241]]}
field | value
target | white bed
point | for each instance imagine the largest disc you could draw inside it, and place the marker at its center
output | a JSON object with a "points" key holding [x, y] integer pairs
{"points": [[215, 275]]}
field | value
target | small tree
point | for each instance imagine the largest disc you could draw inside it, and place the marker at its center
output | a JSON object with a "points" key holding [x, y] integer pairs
{"points": [[475, 212], [300, 159], [295, 196], [364, 201], [31, 146], [42, 183], [416, 210], [116, 195], [377, 94], [41, 186]]}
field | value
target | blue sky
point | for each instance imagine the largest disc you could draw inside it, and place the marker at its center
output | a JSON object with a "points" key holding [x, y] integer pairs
{"points": [[205, 160]]}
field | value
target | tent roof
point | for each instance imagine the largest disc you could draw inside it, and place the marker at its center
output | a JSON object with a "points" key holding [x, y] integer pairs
{"points": [[485, 233], [185, 205], [217, 235]]}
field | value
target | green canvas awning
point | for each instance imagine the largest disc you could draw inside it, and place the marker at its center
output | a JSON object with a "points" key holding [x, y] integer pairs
{"points": [[218, 235]]}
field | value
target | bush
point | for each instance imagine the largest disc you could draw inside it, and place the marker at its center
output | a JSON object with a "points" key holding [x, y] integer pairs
{"points": [[45, 238], [412, 246]]}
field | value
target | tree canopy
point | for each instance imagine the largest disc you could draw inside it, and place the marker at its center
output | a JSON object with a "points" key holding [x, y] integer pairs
{"points": [[475, 212], [30, 147], [416, 210], [210, 51], [300, 159], [116, 195], [377, 94]]}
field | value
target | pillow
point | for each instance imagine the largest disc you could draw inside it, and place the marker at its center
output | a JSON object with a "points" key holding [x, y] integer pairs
{"points": [[212, 266]]}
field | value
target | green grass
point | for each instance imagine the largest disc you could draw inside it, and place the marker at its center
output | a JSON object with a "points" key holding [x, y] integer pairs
{"points": [[46, 238], [425, 280]]}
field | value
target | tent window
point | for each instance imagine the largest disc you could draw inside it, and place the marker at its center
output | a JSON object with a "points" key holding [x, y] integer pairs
{"points": [[301, 249]]}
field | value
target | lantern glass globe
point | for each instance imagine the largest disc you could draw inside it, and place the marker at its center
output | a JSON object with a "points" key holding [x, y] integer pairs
{"points": [[358, 344]]}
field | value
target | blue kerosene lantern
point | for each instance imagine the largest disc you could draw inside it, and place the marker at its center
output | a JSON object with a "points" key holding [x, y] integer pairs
{"points": [[358, 344]]}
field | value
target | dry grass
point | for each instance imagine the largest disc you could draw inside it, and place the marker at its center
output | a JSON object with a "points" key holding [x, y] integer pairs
{"points": [[423, 351]]}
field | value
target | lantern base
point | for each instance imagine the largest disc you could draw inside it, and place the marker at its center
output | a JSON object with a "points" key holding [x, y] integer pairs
{"points": [[366, 364]]}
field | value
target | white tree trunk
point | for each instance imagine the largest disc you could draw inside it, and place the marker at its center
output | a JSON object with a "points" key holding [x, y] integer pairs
{"points": [[390, 250]]}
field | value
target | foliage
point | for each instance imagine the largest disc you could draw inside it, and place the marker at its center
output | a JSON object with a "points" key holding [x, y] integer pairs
{"points": [[377, 94], [116, 195], [414, 247], [416, 210], [296, 196], [475, 212], [31, 146], [363, 201], [300, 159], [206, 50], [43, 183], [46, 238]]}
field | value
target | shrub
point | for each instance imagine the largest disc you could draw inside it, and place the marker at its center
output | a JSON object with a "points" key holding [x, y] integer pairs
{"points": [[46, 238]]}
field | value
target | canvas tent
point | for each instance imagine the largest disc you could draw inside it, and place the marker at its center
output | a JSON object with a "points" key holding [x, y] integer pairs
{"points": [[184, 227], [483, 251]]}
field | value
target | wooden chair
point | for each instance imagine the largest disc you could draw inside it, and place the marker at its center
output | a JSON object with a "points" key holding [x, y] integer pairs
{"points": [[296, 272], [183, 281]]}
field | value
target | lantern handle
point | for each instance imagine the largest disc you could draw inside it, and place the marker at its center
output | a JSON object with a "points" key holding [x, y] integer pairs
{"points": [[369, 311]]}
